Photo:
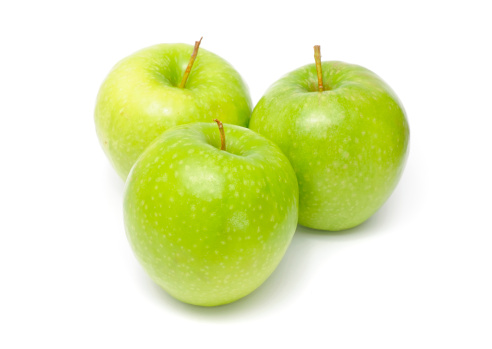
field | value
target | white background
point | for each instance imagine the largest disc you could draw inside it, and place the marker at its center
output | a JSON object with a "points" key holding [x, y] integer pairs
{"points": [[416, 275]]}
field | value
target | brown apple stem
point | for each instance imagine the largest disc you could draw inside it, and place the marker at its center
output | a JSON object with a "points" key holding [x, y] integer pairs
{"points": [[222, 134], [190, 64], [317, 58]]}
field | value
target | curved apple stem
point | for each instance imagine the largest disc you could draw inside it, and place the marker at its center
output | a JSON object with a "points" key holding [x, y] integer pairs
{"points": [[317, 58], [190, 63], [222, 134]]}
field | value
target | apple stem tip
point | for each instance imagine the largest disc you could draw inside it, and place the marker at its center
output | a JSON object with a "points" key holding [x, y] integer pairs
{"points": [[317, 59], [222, 134], [190, 63]]}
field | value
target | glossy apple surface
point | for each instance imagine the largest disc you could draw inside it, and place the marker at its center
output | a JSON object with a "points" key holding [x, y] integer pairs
{"points": [[140, 99], [208, 225], [347, 144]]}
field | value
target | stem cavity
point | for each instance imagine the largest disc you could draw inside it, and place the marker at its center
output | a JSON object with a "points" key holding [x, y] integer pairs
{"points": [[222, 134], [317, 58], [190, 64]]}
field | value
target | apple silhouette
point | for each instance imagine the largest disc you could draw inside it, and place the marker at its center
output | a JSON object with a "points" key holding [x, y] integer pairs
{"points": [[210, 214], [346, 135], [160, 87]]}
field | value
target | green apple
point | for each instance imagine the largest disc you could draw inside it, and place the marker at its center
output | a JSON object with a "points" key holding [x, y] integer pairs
{"points": [[160, 87], [346, 135], [210, 225]]}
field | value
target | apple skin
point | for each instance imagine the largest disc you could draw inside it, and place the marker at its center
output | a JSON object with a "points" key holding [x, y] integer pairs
{"points": [[140, 99], [347, 144], [209, 226]]}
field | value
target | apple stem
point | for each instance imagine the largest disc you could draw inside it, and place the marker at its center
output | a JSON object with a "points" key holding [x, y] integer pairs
{"points": [[190, 63], [222, 134], [317, 58]]}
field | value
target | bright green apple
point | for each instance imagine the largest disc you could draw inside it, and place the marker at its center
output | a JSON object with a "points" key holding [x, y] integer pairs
{"points": [[143, 96], [347, 141], [210, 225]]}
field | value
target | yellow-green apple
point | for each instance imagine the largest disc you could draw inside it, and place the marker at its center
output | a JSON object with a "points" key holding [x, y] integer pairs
{"points": [[160, 87]]}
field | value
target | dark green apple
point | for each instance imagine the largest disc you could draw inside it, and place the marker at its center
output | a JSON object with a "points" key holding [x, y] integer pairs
{"points": [[210, 225], [345, 133], [160, 87]]}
